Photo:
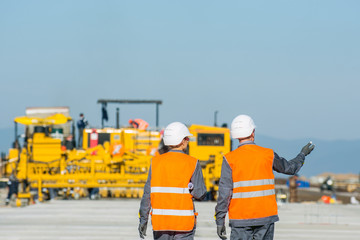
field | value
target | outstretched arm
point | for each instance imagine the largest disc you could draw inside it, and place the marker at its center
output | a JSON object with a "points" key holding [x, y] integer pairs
{"points": [[292, 166]]}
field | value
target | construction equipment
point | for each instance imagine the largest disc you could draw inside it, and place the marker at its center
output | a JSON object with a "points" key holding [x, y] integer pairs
{"points": [[114, 160]]}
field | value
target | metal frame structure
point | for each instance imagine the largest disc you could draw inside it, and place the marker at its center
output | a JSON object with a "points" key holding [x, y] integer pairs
{"points": [[157, 102]]}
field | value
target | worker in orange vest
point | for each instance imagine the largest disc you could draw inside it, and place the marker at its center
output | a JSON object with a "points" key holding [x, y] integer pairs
{"points": [[247, 188], [174, 180], [139, 123]]}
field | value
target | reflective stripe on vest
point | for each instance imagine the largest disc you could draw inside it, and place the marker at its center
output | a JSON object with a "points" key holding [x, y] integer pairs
{"points": [[171, 212], [253, 183], [254, 194], [169, 190]]}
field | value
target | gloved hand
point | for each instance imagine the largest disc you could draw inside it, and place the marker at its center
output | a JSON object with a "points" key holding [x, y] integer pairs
{"points": [[142, 230], [221, 232], [306, 150]]}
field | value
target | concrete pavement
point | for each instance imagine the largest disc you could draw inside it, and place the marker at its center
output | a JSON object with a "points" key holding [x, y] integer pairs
{"points": [[118, 219]]}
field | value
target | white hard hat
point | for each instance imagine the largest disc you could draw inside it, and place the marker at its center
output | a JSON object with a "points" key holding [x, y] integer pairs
{"points": [[174, 133], [242, 126]]}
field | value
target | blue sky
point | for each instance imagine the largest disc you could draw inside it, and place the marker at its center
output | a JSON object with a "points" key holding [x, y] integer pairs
{"points": [[291, 65]]}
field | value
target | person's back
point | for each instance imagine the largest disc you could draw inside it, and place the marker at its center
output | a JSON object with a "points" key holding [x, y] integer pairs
{"points": [[174, 180], [170, 174], [247, 184], [253, 185]]}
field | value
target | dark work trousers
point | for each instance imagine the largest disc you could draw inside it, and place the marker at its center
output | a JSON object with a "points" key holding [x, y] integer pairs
{"points": [[13, 188], [171, 235], [264, 232], [80, 142]]}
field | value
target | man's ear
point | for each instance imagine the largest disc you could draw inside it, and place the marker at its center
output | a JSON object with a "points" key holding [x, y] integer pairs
{"points": [[253, 135]]}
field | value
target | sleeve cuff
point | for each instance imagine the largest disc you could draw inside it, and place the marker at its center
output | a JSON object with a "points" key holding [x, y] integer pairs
{"points": [[220, 222]]}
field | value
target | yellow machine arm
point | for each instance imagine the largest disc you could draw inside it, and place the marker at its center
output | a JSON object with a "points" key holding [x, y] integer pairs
{"points": [[55, 119]]}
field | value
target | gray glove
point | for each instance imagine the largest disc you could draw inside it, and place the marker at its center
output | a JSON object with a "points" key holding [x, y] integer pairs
{"points": [[142, 230], [306, 150], [221, 232]]}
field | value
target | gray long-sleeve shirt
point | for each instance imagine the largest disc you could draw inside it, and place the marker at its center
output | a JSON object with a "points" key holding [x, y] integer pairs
{"points": [[198, 192], [280, 165]]}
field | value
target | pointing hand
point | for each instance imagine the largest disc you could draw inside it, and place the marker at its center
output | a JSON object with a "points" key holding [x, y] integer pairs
{"points": [[306, 150]]}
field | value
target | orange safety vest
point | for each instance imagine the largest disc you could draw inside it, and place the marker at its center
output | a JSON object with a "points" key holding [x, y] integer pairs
{"points": [[253, 183], [139, 124], [171, 201]]}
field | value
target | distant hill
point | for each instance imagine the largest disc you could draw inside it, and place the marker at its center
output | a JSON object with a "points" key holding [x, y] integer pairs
{"points": [[338, 156]]}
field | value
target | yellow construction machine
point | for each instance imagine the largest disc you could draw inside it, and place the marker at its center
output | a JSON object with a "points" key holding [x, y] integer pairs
{"points": [[114, 160]]}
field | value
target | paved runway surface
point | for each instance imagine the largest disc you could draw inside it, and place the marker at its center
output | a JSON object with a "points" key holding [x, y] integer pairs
{"points": [[118, 219]]}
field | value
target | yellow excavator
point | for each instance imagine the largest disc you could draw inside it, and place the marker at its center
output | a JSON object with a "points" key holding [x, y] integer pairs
{"points": [[114, 160]]}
